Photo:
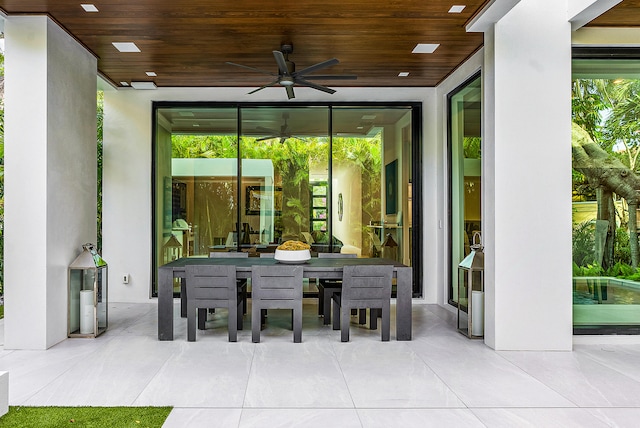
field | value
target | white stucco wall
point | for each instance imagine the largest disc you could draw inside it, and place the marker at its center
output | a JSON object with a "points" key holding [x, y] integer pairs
{"points": [[50, 175], [527, 179], [127, 172]]}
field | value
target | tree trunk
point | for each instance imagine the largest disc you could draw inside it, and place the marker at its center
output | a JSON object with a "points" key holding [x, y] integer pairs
{"points": [[605, 171]]}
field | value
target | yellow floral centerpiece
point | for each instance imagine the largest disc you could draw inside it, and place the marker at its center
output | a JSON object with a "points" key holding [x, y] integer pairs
{"points": [[293, 252]]}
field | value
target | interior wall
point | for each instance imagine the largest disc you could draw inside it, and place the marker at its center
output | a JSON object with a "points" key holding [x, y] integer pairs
{"points": [[50, 175], [127, 171]]}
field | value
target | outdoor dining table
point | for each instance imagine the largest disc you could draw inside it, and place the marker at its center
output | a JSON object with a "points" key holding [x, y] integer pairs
{"points": [[321, 268]]}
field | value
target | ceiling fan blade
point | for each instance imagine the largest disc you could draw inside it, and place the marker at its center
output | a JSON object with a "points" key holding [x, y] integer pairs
{"points": [[251, 68], [332, 77], [275, 82], [318, 66], [290, 93], [315, 86], [266, 138], [282, 64]]}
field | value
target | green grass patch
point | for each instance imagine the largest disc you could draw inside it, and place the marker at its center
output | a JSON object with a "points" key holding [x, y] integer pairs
{"points": [[1, 312], [121, 417]]}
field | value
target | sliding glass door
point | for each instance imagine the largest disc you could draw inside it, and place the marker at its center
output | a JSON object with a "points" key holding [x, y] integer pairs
{"points": [[249, 177]]}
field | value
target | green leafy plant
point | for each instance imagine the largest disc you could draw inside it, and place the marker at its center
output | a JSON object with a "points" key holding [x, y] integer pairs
{"points": [[583, 243]]}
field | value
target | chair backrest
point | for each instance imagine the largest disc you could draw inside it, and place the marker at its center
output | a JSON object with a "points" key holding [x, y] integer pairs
{"points": [[211, 282], [227, 254], [367, 282], [276, 282], [337, 255], [267, 255]]}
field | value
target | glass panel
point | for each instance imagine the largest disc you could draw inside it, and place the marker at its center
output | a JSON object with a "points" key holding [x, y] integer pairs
{"points": [[465, 158], [370, 181], [196, 181], [220, 187], [101, 297], [605, 146], [285, 154]]}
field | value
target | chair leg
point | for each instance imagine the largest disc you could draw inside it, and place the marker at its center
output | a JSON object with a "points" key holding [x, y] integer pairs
{"points": [[240, 319], [191, 324], [386, 321], [321, 301], [362, 317], [297, 324], [202, 318], [255, 323], [183, 297], [232, 322], [344, 324], [328, 297], [336, 315], [373, 318]]}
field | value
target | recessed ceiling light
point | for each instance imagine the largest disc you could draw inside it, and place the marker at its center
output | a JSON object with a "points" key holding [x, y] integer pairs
{"points": [[89, 8], [124, 83], [143, 85], [403, 74], [457, 8], [196, 125], [425, 47], [359, 127], [126, 46], [369, 117], [151, 73]]}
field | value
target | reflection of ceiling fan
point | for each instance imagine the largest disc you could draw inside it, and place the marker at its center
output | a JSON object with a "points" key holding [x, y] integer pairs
{"points": [[283, 134], [287, 75]]}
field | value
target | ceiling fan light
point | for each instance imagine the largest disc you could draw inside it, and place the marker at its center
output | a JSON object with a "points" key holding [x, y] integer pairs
{"points": [[287, 81]]}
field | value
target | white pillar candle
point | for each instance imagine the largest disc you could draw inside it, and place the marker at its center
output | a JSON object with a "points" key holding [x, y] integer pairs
{"points": [[477, 313], [86, 312]]}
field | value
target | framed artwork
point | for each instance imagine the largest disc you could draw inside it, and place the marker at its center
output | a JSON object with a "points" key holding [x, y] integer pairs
{"points": [[263, 199], [391, 187]]}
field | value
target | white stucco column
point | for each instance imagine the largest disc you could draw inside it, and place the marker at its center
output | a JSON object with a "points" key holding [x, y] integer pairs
{"points": [[527, 178], [50, 175]]}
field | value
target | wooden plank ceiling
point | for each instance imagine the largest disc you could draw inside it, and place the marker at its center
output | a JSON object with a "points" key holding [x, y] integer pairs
{"points": [[189, 43]]}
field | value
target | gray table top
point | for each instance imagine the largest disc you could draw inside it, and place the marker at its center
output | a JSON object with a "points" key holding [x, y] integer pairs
{"points": [[245, 264]]}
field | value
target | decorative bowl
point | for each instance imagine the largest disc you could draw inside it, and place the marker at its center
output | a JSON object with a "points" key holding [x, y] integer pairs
{"points": [[292, 257]]}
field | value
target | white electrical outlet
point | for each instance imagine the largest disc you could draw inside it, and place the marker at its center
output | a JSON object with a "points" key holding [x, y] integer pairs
{"points": [[125, 278]]}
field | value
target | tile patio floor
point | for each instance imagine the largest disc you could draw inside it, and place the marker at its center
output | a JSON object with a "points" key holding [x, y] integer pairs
{"points": [[440, 379]]}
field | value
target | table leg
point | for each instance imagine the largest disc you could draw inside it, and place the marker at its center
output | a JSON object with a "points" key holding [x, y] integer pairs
{"points": [[403, 304], [183, 297], [165, 304]]}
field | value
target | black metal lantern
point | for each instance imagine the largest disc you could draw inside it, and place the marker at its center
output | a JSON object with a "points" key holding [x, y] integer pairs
{"points": [[87, 289], [471, 291]]}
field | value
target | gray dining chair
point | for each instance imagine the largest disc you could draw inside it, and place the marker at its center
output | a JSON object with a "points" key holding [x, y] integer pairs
{"points": [[267, 255], [242, 283], [213, 286], [364, 286], [326, 288], [276, 287]]}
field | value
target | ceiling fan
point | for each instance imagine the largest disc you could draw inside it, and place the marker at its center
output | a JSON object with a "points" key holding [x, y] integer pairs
{"points": [[287, 75], [283, 134]]}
